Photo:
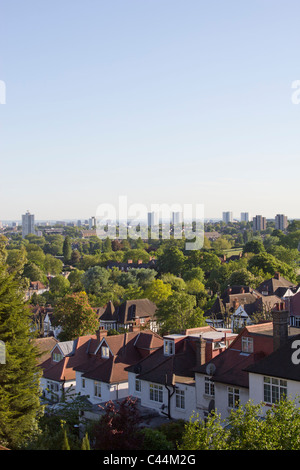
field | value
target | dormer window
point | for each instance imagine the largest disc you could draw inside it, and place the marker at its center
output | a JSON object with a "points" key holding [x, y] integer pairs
{"points": [[57, 357], [169, 349], [105, 352], [247, 344]]}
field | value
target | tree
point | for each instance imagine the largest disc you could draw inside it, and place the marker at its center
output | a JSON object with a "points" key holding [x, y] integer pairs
{"points": [[67, 249], [52, 265], [268, 264], [246, 428], [85, 445], [75, 316], [254, 246], [59, 285], [95, 280], [34, 273], [171, 261], [206, 261], [179, 312], [20, 406], [194, 273], [243, 277], [118, 427], [158, 291], [75, 280]]}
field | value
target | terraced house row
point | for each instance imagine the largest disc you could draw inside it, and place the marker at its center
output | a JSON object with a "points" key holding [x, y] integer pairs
{"points": [[179, 375]]}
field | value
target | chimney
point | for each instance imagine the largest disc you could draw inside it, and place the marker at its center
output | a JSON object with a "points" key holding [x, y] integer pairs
{"points": [[140, 261], [280, 325], [236, 303], [200, 351], [101, 333], [129, 261], [277, 275], [134, 328]]}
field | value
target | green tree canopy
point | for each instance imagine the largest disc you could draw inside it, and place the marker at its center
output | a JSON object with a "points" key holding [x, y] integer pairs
{"points": [[75, 316], [20, 406], [179, 312]]}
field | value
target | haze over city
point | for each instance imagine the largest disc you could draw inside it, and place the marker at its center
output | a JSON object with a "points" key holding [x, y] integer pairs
{"points": [[162, 101]]}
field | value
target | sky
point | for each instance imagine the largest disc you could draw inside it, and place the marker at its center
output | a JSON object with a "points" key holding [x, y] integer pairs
{"points": [[161, 101]]}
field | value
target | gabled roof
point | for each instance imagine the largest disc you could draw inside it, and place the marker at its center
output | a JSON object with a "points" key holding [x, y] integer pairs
{"points": [[85, 356], [107, 313], [64, 369], [44, 347], [232, 365], [162, 369], [129, 310], [273, 284], [279, 363]]}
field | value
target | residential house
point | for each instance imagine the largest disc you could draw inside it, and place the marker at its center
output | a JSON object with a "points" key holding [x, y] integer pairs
{"points": [[276, 376], [139, 312], [277, 285], [42, 321], [59, 378], [294, 309], [94, 365], [227, 303], [35, 287], [126, 266], [223, 382], [165, 381], [102, 374]]}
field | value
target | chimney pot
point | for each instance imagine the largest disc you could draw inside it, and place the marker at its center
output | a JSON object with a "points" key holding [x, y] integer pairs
{"points": [[280, 325], [200, 351]]}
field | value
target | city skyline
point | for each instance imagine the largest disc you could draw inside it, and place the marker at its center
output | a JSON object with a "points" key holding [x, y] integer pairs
{"points": [[165, 101]]}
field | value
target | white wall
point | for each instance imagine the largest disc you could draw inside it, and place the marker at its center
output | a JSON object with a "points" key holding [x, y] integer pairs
{"points": [[220, 398], [176, 413], [256, 390], [69, 388], [116, 391]]}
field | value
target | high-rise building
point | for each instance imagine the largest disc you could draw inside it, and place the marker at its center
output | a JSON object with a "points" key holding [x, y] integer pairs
{"points": [[92, 222], [281, 222], [259, 223], [245, 217], [177, 218], [27, 224], [153, 219], [227, 217]]}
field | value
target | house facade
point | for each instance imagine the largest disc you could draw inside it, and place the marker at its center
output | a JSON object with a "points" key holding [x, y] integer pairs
{"points": [[224, 383], [165, 381]]}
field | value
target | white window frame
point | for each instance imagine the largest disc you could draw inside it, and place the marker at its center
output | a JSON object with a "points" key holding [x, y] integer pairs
{"points": [[209, 386], [156, 393], [274, 389], [247, 344], [138, 385], [57, 357], [97, 389], [180, 399], [233, 397], [105, 352], [169, 347]]}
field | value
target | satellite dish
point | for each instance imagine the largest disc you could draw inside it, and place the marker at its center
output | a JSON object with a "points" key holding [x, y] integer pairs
{"points": [[210, 369]]}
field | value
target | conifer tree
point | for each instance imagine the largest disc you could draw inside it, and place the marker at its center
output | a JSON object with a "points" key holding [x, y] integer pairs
{"points": [[20, 405], [85, 445]]}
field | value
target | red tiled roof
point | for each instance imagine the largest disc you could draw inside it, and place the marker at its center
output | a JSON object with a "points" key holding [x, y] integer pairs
{"points": [[125, 349]]}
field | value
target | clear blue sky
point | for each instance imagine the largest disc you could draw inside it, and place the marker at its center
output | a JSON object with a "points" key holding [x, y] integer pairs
{"points": [[164, 101]]}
